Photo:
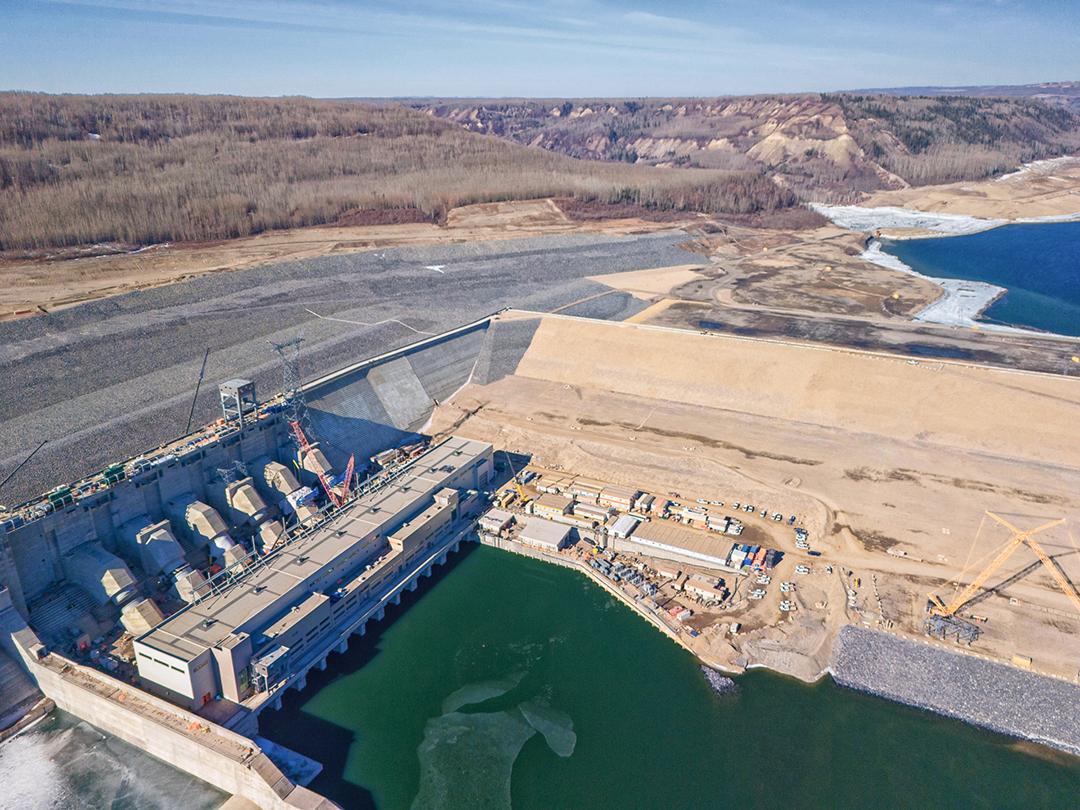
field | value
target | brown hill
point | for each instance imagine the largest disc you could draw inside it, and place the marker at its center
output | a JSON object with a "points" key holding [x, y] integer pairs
{"points": [[828, 147], [77, 170]]}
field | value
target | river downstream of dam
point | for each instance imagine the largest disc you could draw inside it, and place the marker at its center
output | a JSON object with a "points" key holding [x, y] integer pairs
{"points": [[513, 682], [63, 762]]}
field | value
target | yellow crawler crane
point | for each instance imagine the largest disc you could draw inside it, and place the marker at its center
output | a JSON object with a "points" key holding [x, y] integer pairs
{"points": [[937, 607], [516, 480]]}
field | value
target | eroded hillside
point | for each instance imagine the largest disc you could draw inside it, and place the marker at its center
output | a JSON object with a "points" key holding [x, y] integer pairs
{"points": [[831, 147]]}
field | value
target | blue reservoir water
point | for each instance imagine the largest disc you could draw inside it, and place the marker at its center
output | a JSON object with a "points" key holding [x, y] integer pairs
{"points": [[1038, 264]]}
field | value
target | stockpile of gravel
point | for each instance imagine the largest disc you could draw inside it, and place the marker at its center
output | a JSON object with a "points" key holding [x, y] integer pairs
{"points": [[998, 697]]}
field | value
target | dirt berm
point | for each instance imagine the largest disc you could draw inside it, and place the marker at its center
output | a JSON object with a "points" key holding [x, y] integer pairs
{"points": [[945, 403]]}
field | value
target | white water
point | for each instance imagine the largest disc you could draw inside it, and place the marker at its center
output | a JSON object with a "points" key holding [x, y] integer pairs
{"points": [[64, 763]]}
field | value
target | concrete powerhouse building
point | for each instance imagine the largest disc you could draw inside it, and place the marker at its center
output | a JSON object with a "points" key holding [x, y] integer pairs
{"points": [[292, 607]]}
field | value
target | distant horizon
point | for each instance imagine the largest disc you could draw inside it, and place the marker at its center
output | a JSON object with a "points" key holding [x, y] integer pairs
{"points": [[530, 49], [884, 90]]}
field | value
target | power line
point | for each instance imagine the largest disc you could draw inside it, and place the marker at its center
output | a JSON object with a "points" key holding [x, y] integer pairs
{"points": [[194, 399], [23, 464]]}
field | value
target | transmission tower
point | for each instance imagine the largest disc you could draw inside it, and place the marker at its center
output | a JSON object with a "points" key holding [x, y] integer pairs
{"points": [[292, 391]]}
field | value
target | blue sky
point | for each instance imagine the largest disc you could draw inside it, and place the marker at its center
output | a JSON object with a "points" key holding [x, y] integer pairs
{"points": [[552, 48]]}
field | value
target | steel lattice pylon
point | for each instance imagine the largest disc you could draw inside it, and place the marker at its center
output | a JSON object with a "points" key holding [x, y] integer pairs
{"points": [[292, 384]]}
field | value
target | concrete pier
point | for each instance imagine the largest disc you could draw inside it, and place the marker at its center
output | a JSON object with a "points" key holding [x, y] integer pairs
{"points": [[229, 761]]}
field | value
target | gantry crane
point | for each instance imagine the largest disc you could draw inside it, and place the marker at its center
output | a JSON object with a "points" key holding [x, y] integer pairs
{"points": [[943, 617]]}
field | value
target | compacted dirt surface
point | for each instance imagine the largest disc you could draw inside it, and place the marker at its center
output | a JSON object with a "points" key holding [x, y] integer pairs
{"points": [[890, 463]]}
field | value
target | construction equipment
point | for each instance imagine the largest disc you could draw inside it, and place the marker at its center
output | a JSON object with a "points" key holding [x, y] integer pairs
{"points": [[292, 386], [943, 618], [347, 482], [296, 414], [198, 385], [517, 481], [305, 448], [23, 462]]}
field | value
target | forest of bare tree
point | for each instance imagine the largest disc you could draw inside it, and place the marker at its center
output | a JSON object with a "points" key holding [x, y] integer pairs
{"points": [[944, 139], [78, 170]]}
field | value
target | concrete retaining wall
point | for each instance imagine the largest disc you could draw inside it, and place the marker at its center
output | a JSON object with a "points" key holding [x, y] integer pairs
{"points": [[536, 554], [229, 761], [985, 693], [384, 401]]}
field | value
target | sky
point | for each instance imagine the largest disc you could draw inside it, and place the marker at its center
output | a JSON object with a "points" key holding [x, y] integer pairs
{"points": [[517, 48]]}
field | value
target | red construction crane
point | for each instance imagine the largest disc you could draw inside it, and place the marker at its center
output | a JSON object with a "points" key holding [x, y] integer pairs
{"points": [[346, 483], [305, 448]]}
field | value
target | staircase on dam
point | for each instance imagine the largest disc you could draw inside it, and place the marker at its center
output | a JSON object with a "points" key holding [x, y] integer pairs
{"points": [[59, 609]]}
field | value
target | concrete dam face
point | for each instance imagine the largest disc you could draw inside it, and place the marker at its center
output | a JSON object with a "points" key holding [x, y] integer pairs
{"points": [[65, 560], [386, 401]]}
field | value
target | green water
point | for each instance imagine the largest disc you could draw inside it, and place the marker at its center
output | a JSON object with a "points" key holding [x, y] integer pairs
{"points": [[514, 680]]}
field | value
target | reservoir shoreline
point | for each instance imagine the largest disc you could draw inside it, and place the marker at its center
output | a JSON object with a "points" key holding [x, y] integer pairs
{"points": [[865, 660], [555, 639], [961, 303], [964, 301]]}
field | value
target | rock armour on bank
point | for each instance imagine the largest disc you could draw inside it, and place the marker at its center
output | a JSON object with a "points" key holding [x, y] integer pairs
{"points": [[995, 696]]}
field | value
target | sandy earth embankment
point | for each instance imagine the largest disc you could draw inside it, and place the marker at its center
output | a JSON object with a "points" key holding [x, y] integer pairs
{"points": [[833, 388], [890, 463]]}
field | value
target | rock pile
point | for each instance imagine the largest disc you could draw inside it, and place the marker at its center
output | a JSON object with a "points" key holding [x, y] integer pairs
{"points": [[988, 694]]}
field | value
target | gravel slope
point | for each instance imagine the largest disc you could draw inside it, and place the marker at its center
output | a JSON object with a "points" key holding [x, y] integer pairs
{"points": [[998, 697], [105, 380]]}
